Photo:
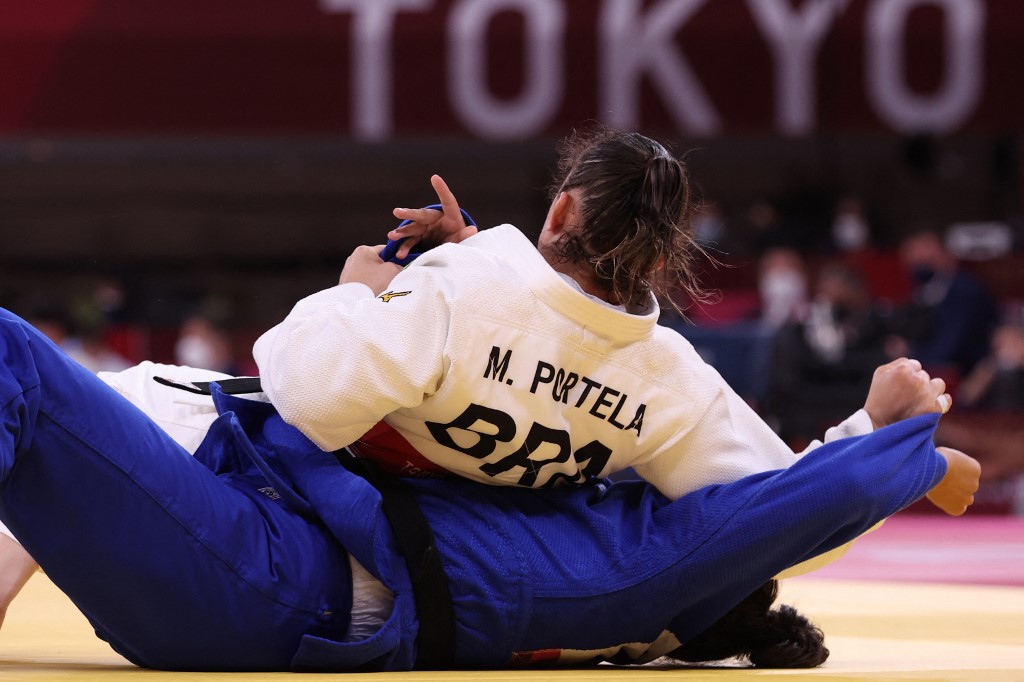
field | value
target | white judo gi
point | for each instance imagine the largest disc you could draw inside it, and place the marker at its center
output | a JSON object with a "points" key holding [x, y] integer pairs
{"points": [[491, 365]]}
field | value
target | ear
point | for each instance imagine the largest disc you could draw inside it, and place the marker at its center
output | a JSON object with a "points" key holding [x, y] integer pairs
{"points": [[560, 214], [561, 217]]}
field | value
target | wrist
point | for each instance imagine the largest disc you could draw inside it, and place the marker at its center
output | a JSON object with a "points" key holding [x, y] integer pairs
{"points": [[875, 423]]}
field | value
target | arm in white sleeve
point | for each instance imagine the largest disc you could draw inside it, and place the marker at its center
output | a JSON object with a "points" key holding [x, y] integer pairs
{"points": [[728, 442], [857, 424], [343, 359]]}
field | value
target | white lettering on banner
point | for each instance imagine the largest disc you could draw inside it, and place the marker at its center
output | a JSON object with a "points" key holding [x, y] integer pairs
{"points": [[638, 43], [543, 87], [795, 37], [951, 104], [632, 45], [374, 22]]}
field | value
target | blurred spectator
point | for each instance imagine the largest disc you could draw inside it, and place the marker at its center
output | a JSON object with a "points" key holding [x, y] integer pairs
{"points": [[996, 439], [823, 364], [88, 346], [205, 342], [708, 224], [850, 229], [108, 299], [993, 429], [766, 230], [782, 286], [95, 353], [997, 382], [951, 315]]}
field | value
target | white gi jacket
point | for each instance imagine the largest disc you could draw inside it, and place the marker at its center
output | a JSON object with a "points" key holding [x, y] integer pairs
{"points": [[490, 365]]}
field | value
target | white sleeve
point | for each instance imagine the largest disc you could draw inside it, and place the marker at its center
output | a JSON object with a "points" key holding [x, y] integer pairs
{"points": [[857, 424], [343, 359], [728, 442]]}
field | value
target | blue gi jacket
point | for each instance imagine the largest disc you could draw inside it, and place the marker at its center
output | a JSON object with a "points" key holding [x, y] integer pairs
{"points": [[638, 566]]}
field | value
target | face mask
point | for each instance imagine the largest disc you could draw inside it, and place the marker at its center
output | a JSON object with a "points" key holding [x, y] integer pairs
{"points": [[783, 292], [841, 312], [922, 274], [822, 334], [195, 352], [782, 286], [850, 232]]}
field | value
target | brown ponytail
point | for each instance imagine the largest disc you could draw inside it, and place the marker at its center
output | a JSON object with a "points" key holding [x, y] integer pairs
{"points": [[634, 229]]}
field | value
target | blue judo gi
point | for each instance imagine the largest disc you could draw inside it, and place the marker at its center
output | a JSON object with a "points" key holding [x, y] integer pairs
{"points": [[236, 559]]}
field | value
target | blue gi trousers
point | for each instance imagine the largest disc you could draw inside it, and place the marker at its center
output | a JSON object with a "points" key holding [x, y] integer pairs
{"points": [[175, 566], [236, 559]]}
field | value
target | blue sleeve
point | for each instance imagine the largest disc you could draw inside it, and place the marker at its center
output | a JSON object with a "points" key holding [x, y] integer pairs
{"points": [[592, 567], [763, 524]]}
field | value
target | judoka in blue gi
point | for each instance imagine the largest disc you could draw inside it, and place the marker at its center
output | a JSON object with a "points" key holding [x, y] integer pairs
{"points": [[238, 558]]}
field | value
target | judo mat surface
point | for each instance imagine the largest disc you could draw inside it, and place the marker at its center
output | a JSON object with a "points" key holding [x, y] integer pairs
{"points": [[881, 622]]}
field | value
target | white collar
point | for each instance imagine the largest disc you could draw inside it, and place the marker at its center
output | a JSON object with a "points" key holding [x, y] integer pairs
{"points": [[564, 294]]}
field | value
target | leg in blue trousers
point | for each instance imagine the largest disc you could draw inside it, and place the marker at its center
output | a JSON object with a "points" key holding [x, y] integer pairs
{"points": [[176, 567]]}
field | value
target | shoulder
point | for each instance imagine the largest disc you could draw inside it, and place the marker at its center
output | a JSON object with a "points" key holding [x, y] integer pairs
{"points": [[492, 258], [505, 241], [489, 254], [681, 368]]}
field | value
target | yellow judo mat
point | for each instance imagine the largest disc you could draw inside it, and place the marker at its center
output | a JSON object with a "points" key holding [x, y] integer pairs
{"points": [[876, 631]]}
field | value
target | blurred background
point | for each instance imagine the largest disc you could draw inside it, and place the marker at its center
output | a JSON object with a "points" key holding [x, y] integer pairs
{"points": [[174, 175]]}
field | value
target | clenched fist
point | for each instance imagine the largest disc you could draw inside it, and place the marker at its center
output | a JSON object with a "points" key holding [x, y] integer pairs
{"points": [[901, 389]]}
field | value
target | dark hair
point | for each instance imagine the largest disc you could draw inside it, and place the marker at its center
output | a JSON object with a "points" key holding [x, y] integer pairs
{"points": [[766, 637], [634, 228]]}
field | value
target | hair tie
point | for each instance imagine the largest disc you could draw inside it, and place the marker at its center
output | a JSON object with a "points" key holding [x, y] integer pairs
{"points": [[654, 180]]}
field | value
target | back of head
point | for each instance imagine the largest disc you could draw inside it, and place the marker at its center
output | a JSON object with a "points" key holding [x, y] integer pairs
{"points": [[767, 637], [633, 227]]}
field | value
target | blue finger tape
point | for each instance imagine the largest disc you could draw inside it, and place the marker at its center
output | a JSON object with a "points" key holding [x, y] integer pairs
{"points": [[391, 248]]}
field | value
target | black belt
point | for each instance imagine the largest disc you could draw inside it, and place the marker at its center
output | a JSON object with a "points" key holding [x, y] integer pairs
{"points": [[435, 640], [232, 386]]}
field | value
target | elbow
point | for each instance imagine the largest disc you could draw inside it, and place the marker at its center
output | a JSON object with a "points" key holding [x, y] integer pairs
{"points": [[284, 390]]}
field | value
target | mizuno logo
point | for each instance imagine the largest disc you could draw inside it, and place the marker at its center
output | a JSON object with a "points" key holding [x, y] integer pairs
{"points": [[387, 296]]}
